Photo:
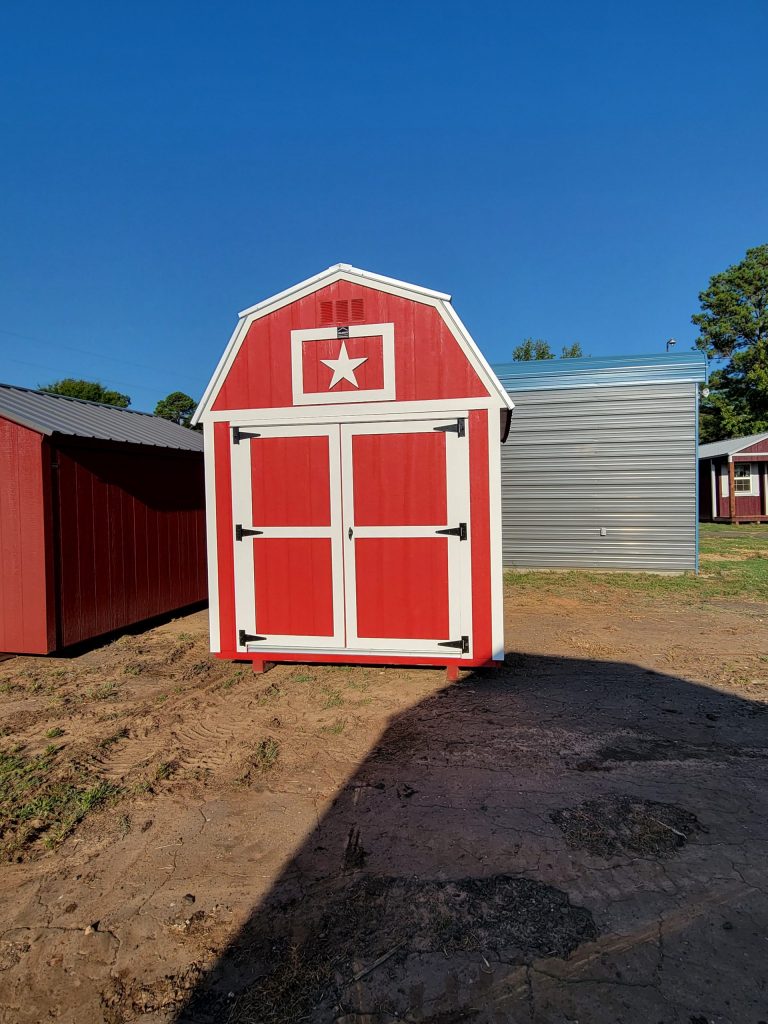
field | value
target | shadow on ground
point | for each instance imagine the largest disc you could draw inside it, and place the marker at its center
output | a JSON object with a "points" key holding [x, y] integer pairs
{"points": [[559, 840]]}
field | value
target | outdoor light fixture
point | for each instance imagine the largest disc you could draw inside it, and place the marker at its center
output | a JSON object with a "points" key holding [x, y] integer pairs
{"points": [[671, 342]]}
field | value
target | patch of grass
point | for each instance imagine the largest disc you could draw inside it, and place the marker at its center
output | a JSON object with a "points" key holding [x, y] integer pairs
{"points": [[165, 770], [337, 728], [104, 692], [133, 668], [200, 668], [263, 759], [55, 732], [362, 685], [272, 693], [186, 638], [41, 800], [333, 698], [303, 677], [744, 575], [115, 737]]}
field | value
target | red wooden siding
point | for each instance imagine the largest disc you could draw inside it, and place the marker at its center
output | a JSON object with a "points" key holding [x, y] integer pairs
{"points": [[428, 361], [26, 584], [759, 447], [131, 536]]}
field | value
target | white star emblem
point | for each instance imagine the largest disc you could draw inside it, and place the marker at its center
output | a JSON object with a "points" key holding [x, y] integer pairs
{"points": [[343, 367]]}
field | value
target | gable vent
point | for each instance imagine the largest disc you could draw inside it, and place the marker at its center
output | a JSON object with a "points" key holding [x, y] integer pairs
{"points": [[342, 311]]}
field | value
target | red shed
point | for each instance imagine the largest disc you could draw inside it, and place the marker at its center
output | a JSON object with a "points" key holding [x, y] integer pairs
{"points": [[102, 519], [733, 480], [353, 480]]}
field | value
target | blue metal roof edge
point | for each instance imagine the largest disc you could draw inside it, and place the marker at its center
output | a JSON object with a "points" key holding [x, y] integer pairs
{"points": [[603, 371]]}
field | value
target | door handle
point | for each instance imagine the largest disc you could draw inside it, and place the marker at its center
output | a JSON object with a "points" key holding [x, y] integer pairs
{"points": [[349, 533]]}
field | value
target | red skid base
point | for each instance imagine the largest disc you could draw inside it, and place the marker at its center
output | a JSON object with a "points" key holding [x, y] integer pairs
{"points": [[266, 659]]}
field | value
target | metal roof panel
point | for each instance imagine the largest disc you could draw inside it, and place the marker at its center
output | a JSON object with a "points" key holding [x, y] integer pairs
{"points": [[602, 371], [74, 417], [730, 446]]}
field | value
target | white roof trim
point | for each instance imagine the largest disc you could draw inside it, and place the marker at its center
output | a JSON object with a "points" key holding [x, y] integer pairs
{"points": [[344, 272]]}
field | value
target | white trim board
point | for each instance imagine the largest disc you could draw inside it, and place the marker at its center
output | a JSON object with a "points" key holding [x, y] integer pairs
{"points": [[343, 272]]}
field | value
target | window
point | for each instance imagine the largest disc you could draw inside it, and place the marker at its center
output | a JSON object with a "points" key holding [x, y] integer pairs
{"points": [[742, 477]]}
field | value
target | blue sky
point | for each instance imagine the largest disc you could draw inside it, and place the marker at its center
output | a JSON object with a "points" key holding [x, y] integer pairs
{"points": [[568, 171]]}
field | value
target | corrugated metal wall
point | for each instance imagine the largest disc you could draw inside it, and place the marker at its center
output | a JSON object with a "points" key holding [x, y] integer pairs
{"points": [[619, 458]]}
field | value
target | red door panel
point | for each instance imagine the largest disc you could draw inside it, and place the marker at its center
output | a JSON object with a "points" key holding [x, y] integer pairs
{"points": [[399, 479], [402, 587], [290, 481], [294, 586]]}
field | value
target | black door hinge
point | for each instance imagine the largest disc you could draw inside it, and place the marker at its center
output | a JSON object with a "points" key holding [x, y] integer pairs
{"points": [[247, 638], [459, 531], [453, 428], [462, 645], [239, 435], [242, 531]]}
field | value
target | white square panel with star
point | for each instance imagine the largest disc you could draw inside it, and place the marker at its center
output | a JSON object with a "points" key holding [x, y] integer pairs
{"points": [[343, 364]]}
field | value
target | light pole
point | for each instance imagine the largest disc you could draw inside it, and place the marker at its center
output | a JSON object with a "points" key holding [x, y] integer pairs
{"points": [[671, 342]]}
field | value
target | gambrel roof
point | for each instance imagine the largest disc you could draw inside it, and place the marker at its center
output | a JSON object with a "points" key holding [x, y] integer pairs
{"points": [[344, 272]]}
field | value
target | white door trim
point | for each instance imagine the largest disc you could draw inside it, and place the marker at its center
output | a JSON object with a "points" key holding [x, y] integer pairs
{"points": [[245, 589]]}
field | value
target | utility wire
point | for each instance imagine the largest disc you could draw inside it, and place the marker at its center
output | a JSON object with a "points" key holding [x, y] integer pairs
{"points": [[97, 355]]}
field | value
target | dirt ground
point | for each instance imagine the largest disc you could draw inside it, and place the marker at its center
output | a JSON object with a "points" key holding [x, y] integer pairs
{"points": [[579, 837]]}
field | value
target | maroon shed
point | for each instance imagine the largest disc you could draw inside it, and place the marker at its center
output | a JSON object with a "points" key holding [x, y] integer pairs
{"points": [[102, 519], [733, 480]]}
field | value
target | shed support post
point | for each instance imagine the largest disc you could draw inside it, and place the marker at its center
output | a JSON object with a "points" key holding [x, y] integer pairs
{"points": [[452, 672], [260, 666], [714, 484], [731, 492]]}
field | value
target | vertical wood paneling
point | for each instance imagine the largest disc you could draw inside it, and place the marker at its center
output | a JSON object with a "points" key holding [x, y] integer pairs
{"points": [[131, 536], [24, 574]]}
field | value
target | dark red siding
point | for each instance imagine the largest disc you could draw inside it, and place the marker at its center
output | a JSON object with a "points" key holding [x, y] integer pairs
{"points": [[26, 584], [131, 536], [758, 447]]}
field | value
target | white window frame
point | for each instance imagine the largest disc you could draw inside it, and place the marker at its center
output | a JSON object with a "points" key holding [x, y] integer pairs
{"points": [[752, 477]]}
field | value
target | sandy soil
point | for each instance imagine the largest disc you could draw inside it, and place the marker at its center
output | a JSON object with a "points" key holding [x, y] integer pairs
{"points": [[580, 836]]}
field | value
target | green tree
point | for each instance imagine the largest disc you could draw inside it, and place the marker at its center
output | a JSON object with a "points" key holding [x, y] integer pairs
{"points": [[177, 407], [532, 349], [90, 390], [733, 327], [537, 348]]}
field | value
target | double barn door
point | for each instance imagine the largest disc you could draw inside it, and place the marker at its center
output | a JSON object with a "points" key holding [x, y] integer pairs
{"points": [[353, 538]]}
